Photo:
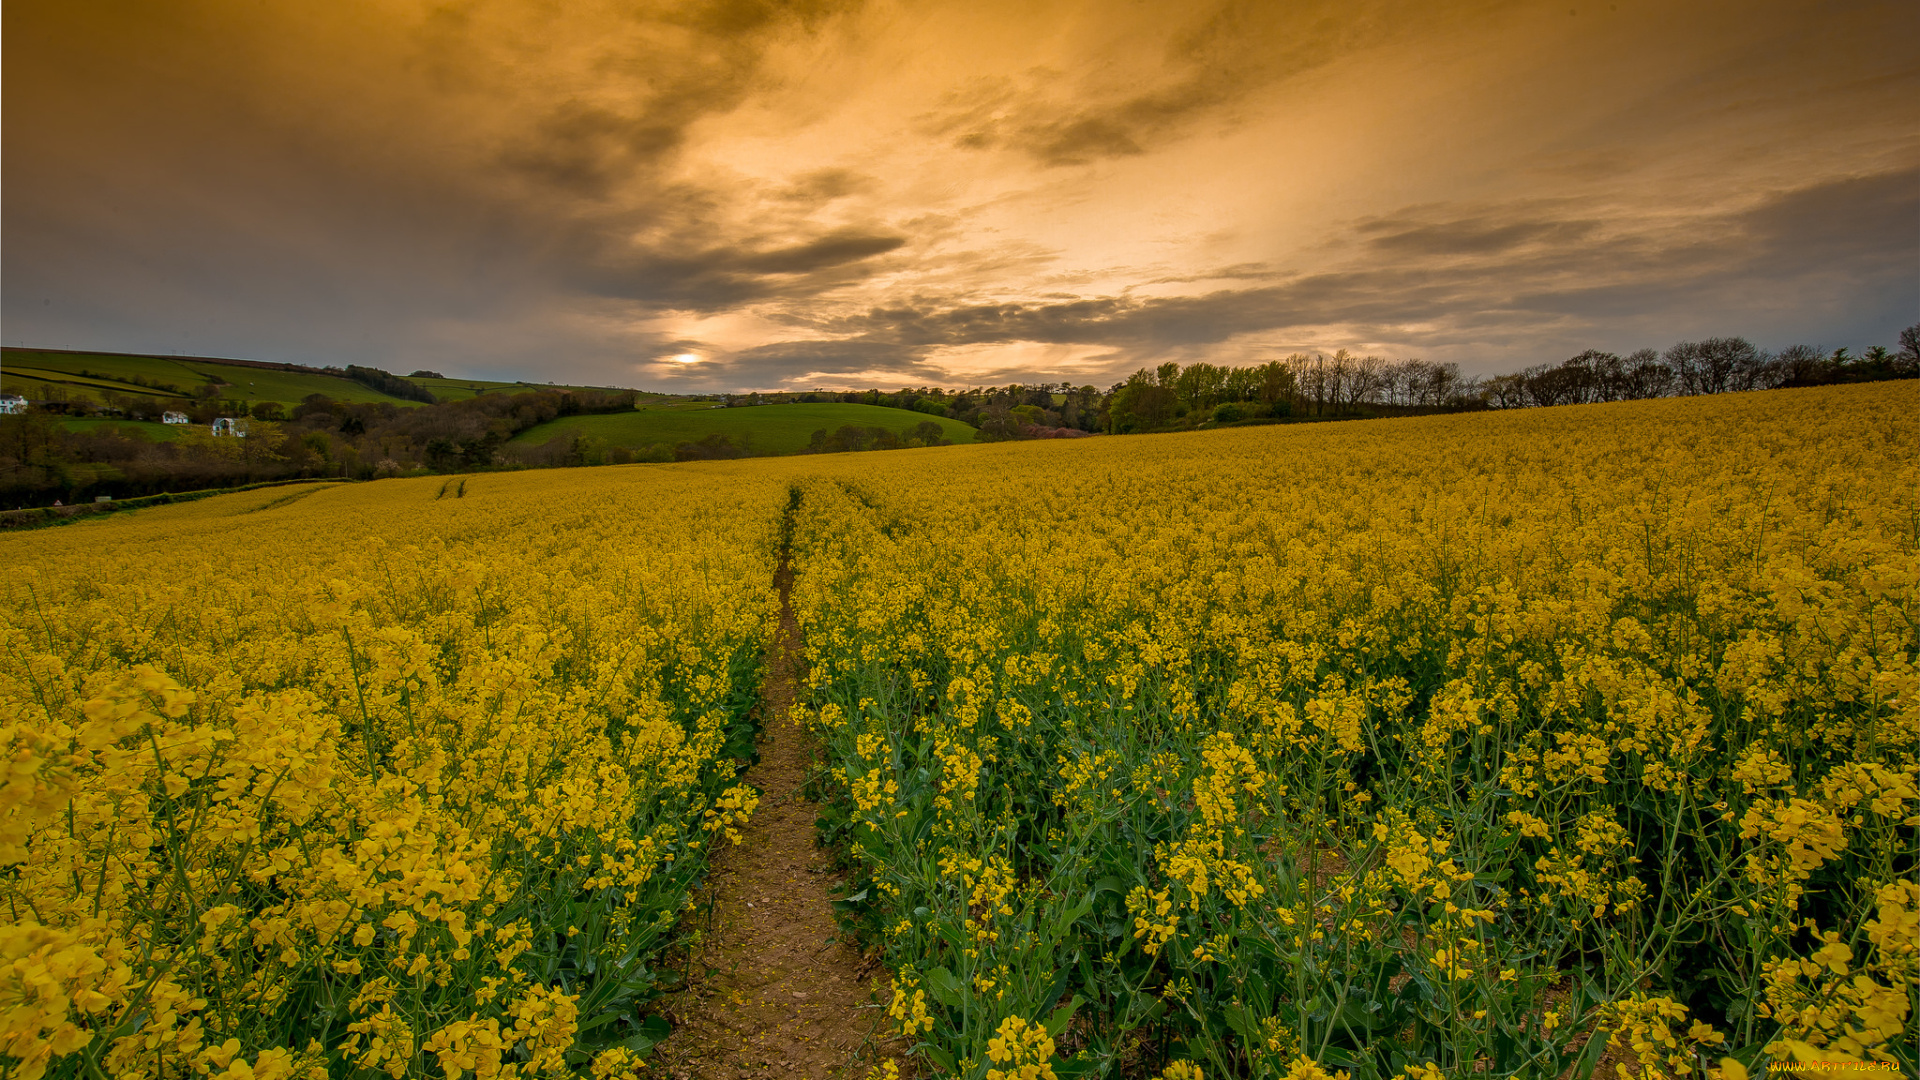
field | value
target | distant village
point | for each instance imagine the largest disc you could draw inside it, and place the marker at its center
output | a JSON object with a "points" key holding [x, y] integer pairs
{"points": [[234, 426]]}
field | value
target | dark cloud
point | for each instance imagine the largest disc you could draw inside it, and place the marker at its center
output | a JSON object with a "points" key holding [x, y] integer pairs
{"points": [[1841, 236], [1869, 221], [1820, 262], [928, 322], [826, 361], [834, 249], [1080, 140], [1472, 237], [586, 151], [665, 65], [832, 364], [729, 20], [677, 271], [1252, 271], [1216, 56], [822, 186], [1153, 324], [1029, 119]]}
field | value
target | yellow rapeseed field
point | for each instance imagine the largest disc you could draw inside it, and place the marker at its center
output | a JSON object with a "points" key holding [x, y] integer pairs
{"points": [[1480, 745], [1460, 746], [377, 779]]}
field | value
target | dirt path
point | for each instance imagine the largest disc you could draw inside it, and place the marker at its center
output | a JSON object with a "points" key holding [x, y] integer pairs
{"points": [[778, 998]]}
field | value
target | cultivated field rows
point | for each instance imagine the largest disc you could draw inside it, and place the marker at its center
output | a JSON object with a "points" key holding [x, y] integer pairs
{"points": [[1456, 746]]}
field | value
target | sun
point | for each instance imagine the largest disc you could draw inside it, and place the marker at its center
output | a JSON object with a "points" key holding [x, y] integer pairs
{"points": [[684, 358]]}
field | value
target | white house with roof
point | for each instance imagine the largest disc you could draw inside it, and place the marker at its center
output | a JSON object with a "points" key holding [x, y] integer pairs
{"points": [[228, 425], [12, 404]]}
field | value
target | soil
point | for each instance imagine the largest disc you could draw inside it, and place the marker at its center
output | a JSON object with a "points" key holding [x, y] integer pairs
{"points": [[774, 992]]}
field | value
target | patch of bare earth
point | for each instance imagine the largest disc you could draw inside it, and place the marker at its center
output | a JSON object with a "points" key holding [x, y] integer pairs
{"points": [[774, 993]]}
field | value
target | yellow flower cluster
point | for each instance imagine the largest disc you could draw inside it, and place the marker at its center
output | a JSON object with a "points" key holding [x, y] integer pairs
{"points": [[1837, 1006], [1649, 1028], [1266, 722], [372, 780], [1020, 1050]]}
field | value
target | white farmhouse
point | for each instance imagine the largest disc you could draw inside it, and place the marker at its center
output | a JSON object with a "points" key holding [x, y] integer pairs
{"points": [[173, 418], [227, 425], [12, 404]]}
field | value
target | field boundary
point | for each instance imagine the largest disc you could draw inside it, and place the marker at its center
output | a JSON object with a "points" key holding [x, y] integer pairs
{"points": [[42, 517], [264, 365]]}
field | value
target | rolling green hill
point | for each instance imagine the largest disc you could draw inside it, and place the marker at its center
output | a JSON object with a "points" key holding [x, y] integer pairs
{"points": [[147, 430], [116, 386], [153, 369], [46, 375], [762, 429], [56, 376], [462, 389]]}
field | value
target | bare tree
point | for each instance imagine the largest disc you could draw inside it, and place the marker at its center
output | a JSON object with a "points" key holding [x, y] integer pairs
{"points": [[1506, 391], [1644, 375], [1366, 379]]}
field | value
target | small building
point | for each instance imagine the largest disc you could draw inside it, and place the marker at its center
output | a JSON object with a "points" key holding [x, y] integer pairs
{"points": [[173, 418], [12, 404], [229, 425]]}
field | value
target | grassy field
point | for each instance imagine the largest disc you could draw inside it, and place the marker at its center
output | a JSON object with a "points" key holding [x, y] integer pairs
{"points": [[763, 429], [253, 385], [663, 403], [111, 385], [39, 384], [42, 376], [162, 369], [31, 374], [146, 429], [462, 389]]}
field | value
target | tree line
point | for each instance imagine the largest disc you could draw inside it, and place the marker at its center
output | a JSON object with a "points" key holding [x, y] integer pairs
{"points": [[999, 412], [41, 460], [1342, 386]]}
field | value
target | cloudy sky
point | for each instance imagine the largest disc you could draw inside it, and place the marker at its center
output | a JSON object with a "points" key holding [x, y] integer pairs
{"points": [[743, 194]]}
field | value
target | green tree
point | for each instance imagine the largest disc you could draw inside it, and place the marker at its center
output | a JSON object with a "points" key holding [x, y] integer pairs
{"points": [[1142, 403]]}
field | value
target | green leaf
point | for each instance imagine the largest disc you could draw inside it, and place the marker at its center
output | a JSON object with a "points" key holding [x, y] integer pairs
{"points": [[940, 1057], [1240, 1018], [598, 1021], [1064, 922], [1057, 1023], [1339, 1058], [1590, 1057], [945, 988], [652, 1031], [1367, 1017]]}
